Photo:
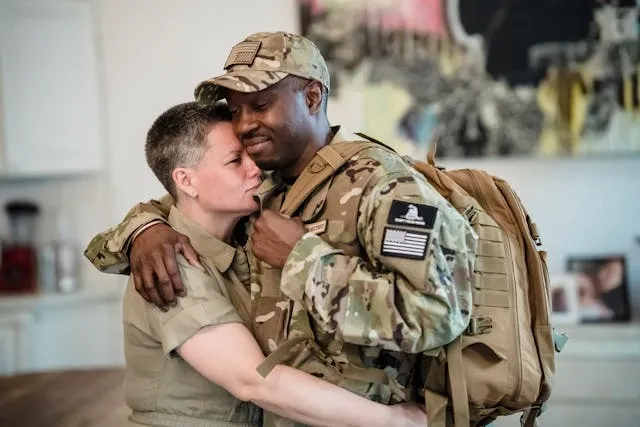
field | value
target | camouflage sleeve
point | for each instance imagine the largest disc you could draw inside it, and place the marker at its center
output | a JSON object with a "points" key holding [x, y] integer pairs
{"points": [[413, 294], [109, 250]]}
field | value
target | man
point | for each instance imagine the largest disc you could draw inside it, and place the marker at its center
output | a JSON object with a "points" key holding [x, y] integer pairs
{"points": [[377, 258]]}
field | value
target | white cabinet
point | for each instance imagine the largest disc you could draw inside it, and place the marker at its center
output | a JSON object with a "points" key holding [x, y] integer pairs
{"points": [[50, 120], [14, 334], [58, 331]]}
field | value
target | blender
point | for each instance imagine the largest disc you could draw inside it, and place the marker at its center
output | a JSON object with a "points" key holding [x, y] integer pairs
{"points": [[18, 264]]}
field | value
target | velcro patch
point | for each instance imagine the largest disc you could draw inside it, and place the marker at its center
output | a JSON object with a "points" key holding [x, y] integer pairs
{"points": [[412, 214], [317, 227], [401, 243], [243, 53]]}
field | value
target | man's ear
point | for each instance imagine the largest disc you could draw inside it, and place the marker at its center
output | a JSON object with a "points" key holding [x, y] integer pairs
{"points": [[184, 181], [313, 95]]}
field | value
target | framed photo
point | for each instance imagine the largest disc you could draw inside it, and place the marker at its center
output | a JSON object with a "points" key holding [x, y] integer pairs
{"points": [[603, 294], [564, 299]]}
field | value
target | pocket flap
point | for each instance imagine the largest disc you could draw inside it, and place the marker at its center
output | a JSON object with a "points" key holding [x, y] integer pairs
{"points": [[481, 347]]}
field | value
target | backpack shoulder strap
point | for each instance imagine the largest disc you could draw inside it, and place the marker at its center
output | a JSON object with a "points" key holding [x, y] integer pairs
{"points": [[327, 161], [375, 141]]}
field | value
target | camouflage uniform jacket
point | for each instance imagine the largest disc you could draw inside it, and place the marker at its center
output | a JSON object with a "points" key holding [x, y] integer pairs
{"points": [[384, 269]]}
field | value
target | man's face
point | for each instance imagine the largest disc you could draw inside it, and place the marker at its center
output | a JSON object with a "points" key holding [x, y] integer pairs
{"points": [[273, 125]]}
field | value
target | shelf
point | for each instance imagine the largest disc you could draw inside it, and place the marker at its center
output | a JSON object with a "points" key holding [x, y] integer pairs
{"points": [[601, 341], [40, 301], [601, 330]]}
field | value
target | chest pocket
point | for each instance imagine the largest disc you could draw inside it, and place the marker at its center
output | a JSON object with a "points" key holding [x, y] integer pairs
{"points": [[338, 222], [272, 310]]}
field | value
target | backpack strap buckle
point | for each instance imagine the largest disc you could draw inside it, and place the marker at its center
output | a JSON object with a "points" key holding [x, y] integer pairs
{"points": [[479, 325], [559, 340], [529, 416]]}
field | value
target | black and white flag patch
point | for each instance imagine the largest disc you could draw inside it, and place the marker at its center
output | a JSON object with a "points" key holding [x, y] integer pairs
{"points": [[412, 214], [400, 243]]}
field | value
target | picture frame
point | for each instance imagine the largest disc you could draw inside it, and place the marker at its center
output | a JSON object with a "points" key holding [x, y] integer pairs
{"points": [[603, 289]]}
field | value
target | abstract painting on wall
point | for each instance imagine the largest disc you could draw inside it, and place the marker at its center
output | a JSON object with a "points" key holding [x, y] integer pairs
{"points": [[489, 78]]}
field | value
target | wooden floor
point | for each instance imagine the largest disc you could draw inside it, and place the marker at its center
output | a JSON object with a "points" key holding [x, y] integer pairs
{"points": [[63, 399]]}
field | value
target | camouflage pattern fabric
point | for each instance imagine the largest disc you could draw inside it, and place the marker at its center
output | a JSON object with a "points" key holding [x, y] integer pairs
{"points": [[109, 251], [384, 271], [263, 59], [370, 275]]}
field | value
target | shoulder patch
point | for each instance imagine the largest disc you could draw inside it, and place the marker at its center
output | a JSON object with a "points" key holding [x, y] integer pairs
{"points": [[412, 214], [400, 243]]}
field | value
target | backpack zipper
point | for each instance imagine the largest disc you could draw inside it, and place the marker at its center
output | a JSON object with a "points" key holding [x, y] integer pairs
{"points": [[518, 366], [514, 298], [525, 222]]}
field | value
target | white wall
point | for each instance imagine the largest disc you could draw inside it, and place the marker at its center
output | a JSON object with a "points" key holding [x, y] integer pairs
{"points": [[155, 52], [152, 53]]}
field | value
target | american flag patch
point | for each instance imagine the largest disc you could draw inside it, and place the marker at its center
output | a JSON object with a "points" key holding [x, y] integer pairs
{"points": [[401, 243]]}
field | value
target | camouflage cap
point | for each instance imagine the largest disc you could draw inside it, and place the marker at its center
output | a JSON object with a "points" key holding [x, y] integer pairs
{"points": [[263, 59]]}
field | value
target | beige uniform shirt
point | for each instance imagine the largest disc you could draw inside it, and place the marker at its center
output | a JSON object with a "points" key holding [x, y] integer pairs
{"points": [[160, 387]]}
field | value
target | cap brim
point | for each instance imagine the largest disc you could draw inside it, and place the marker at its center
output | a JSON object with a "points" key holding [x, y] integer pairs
{"points": [[245, 81]]}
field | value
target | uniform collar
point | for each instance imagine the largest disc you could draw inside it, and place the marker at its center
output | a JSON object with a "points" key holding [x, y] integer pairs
{"points": [[340, 134], [273, 180], [208, 246]]}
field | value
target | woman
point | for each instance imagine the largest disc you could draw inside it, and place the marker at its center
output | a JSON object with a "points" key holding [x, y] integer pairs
{"points": [[195, 363]]}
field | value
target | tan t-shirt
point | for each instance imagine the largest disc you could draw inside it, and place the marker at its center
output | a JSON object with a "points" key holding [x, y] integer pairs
{"points": [[160, 387]]}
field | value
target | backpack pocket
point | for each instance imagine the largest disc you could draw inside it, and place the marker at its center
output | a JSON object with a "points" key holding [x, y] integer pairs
{"points": [[489, 369]]}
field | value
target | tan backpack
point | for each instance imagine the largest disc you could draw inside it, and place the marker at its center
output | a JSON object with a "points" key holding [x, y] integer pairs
{"points": [[504, 363]]}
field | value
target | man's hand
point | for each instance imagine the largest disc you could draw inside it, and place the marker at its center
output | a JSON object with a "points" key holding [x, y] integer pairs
{"points": [[274, 237], [154, 266]]}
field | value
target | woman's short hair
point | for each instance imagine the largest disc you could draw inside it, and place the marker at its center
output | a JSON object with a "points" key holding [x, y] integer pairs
{"points": [[178, 138]]}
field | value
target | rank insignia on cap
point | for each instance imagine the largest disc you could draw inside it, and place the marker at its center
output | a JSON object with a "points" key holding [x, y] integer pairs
{"points": [[412, 214], [400, 243], [243, 53]]}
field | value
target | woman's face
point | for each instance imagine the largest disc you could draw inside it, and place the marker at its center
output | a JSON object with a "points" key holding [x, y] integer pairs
{"points": [[226, 178]]}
